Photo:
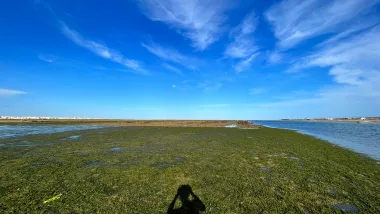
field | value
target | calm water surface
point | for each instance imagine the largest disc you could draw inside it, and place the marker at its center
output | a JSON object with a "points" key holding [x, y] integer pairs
{"points": [[360, 137], [7, 131]]}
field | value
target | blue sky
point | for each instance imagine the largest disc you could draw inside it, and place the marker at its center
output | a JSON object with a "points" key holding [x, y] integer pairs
{"points": [[172, 59]]}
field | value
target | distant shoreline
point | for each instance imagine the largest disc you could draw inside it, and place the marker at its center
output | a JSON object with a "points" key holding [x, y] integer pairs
{"points": [[115, 122], [349, 121]]}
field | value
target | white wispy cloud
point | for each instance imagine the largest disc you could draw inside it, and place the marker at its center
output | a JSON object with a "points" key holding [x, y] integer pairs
{"points": [[354, 61], [243, 45], [296, 20], [8, 92], [172, 68], [47, 57], [171, 55], [164, 53], [275, 57], [200, 21], [207, 86], [361, 25], [70, 15], [246, 63], [254, 91], [102, 50], [331, 101]]}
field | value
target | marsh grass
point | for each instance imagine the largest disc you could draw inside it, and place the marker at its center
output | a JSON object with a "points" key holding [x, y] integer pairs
{"points": [[231, 170]]}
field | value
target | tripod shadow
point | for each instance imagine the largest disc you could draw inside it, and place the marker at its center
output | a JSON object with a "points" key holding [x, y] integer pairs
{"points": [[194, 206]]}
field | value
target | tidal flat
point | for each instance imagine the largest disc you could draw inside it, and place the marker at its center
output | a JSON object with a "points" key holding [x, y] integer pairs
{"points": [[138, 170]]}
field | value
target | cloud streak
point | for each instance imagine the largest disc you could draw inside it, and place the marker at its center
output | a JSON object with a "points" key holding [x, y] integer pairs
{"points": [[172, 68], [199, 21], [8, 92], [246, 63], [334, 101], [350, 54], [102, 50], [275, 57], [207, 86], [353, 61], [243, 45], [297, 20], [171, 55], [47, 58]]}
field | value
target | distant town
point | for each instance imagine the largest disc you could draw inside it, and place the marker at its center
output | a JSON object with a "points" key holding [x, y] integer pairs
{"points": [[40, 118], [339, 119]]}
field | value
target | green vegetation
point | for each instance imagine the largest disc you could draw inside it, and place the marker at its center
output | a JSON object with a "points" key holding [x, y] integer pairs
{"points": [[138, 170]]}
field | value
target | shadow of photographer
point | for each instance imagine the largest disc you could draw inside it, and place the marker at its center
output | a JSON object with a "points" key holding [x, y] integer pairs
{"points": [[194, 206]]}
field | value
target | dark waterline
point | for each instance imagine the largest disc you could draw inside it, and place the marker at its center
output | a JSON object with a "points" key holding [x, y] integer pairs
{"points": [[362, 138]]}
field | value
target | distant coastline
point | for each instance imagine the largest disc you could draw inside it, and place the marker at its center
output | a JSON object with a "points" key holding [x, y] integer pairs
{"points": [[352, 120], [116, 122]]}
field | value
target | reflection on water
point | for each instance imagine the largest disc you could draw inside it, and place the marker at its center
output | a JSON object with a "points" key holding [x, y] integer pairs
{"points": [[95, 163], [74, 137], [115, 149], [346, 207], [7, 131], [363, 138]]}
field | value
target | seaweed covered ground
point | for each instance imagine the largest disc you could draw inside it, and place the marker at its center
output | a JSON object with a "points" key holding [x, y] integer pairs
{"points": [[138, 170]]}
